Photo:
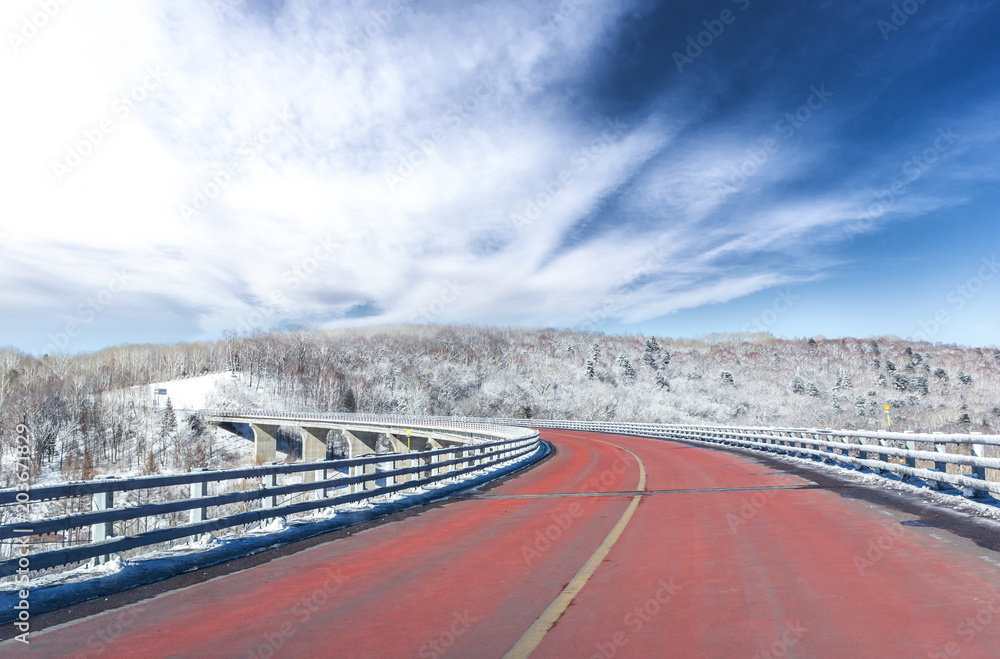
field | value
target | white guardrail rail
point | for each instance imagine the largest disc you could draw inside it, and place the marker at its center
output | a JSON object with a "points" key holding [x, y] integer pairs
{"points": [[923, 456], [489, 444]]}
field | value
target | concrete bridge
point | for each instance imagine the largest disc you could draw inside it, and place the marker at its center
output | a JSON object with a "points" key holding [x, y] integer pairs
{"points": [[361, 432]]}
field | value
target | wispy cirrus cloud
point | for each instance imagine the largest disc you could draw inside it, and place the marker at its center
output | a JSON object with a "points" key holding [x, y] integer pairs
{"points": [[426, 143]]}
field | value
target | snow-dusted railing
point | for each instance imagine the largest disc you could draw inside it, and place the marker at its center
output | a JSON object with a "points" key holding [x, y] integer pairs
{"points": [[492, 445], [872, 449]]}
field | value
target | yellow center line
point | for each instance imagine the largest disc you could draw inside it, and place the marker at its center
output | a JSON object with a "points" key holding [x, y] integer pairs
{"points": [[534, 635]]}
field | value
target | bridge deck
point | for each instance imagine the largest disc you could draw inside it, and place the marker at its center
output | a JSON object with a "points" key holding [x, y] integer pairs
{"points": [[723, 556]]}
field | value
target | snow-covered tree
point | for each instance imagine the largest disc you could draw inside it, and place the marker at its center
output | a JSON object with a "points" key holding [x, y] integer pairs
{"points": [[650, 353]]}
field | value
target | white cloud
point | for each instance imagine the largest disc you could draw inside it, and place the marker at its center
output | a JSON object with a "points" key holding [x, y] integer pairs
{"points": [[407, 152]]}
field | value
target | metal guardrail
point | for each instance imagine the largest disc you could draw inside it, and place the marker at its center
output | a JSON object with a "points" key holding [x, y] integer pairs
{"points": [[872, 449], [492, 445]]}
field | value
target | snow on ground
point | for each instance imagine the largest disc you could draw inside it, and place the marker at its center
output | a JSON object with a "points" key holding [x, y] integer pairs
{"points": [[189, 393]]}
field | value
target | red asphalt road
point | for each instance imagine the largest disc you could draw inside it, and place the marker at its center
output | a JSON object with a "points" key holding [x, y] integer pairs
{"points": [[750, 568]]}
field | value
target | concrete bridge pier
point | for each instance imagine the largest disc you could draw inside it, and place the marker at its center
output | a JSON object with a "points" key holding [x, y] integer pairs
{"points": [[265, 442], [313, 450]]}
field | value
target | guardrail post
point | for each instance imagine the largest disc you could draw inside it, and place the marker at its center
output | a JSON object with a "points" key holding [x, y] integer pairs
{"points": [[102, 530], [883, 457], [354, 471], [269, 481], [391, 480], [910, 446], [940, 465], [322, 492], [199, 490], [979, 451]]}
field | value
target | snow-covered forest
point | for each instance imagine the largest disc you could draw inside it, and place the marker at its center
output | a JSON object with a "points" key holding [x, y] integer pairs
{"points": [[88, 413]]}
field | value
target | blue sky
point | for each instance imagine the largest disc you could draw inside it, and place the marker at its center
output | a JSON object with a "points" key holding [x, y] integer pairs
{"points": [[173, 170]]}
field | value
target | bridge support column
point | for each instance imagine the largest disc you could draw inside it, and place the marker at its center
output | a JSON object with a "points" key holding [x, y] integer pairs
{"points": [[313, 450], [265, 442]]}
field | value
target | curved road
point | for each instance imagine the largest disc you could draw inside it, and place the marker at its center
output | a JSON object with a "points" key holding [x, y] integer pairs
{"points": [[613, 547]]}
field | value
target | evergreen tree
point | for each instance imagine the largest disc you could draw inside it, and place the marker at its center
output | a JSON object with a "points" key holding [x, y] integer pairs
{"points": [[628, 373], [168, 423], [595, 354], [726, 378], [964, 377], [348, 400], [666, 358], [650, 352], [812, 389], [798, 386]]}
